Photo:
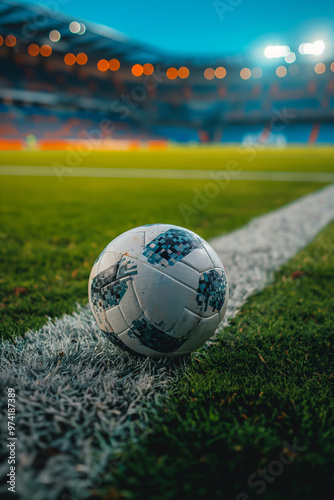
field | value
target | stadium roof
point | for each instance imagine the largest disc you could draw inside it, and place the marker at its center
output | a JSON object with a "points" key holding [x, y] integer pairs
{"points": [[33, 24]]}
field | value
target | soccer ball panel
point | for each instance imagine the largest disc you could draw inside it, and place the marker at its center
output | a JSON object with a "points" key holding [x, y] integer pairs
{"points": [[198, 260], [129, 243], [211, 291], [145, 338], [108, 286], [204, 330], [116, 319], [162, 298], [91, 276], [223, 309], [130, 307], [216, 262], [152, 231], [186, 323], [170, 246], [108, 259], [180, 273]]}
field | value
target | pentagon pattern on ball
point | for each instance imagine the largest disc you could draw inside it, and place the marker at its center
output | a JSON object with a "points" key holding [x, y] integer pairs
{"points": [[170, 247]]}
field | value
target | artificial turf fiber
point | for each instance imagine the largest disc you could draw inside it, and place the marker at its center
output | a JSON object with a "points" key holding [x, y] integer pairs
{"points": [[260, 397]]}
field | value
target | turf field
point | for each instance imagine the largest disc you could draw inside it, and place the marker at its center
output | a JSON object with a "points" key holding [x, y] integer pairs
{"points": [[250, 417], [52, 231], [253, 418]]}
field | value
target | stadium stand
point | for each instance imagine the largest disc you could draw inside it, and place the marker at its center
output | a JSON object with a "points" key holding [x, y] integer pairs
{"points": [[53, 97]]}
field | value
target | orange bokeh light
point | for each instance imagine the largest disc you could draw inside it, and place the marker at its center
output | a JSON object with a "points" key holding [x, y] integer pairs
{"points": [[320, 68], [183, 72], [10, 40], [81, 58], [220, 72], [69, 59], [332, 66], [171, 73], [281, 71], [245, 73], [114, 64], [148, 69], [46, 50], [209, 73], [33, 49], [103, 65], [1, 40], [137, 70]]}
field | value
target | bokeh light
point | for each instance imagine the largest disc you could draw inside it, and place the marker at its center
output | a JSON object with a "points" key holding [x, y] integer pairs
{"points": [[10, 41], [103, 65], [1, 40], [69, 59], [281, 71], [183, 72], [276, 51], [209, 73], [81, 58], [320, 68], [290, 58], [245, 73], [46, 50], [332, 66], [33, 49], [316, 48], [137, 70], [294, 69], [82, 29], [257, 72], [54, 36], [220, 72], [148, 69], [171, 73], [74, 27], [114, 64]]}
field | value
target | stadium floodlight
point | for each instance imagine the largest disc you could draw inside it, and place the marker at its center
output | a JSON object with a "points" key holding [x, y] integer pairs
{"points": [[316, 48], [272, 51]]}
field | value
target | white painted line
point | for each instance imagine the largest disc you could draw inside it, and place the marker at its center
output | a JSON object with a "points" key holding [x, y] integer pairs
{"points": [[136, 173]]}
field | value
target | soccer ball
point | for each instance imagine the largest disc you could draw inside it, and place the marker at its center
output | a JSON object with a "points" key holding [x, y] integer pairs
{"points": [[158, 290]]}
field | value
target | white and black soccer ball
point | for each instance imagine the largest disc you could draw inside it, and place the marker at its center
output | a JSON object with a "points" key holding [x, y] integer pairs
{"points": [[158, 290]]}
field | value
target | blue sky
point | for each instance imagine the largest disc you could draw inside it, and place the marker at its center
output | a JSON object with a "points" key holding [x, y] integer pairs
{"points": [[211, 26]]}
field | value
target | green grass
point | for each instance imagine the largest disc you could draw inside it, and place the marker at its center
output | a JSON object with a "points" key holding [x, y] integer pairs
{"points": [[295, 159], [269, 379], [52, 232], [265, 385]]}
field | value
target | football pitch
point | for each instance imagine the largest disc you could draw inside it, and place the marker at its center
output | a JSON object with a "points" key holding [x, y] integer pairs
{"points": [[53, 229], [265, 387]]}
